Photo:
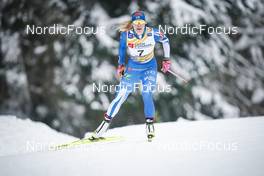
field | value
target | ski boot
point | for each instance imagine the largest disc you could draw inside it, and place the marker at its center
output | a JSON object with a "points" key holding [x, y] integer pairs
{"points": [[101, 129], [150, 129]]}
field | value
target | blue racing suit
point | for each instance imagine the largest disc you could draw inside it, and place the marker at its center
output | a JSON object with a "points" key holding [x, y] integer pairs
{"points": [[141, 70]]}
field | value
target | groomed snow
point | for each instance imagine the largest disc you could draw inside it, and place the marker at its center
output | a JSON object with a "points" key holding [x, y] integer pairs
{"points": [[228, 147], [19, 136]]}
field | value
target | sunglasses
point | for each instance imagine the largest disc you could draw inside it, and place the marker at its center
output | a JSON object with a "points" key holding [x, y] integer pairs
{"points": [[139, 22]]}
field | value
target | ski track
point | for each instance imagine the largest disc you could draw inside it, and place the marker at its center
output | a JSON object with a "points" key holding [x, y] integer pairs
{"points": [[243, 155]]}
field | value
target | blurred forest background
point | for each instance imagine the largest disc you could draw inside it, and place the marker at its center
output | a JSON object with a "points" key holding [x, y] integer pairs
{"points": [[49, 78]]}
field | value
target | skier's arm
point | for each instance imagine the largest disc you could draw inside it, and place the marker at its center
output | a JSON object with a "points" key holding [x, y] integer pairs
{"points": [[161, 38], [122, 49], [166, 49]]}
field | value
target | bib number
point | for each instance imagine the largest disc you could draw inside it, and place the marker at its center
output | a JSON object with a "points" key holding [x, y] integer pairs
{"points": [[140, 52]]}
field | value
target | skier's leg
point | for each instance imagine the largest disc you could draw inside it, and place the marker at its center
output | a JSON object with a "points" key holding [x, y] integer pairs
{"points": [[111, 112], [148, 87], [102, 128], [149, 111], [149, 108], [117, 102], [126, 86], [150, 130]]}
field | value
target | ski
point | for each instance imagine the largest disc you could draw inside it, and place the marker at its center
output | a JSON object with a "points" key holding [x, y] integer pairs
{"points": [[87, 141]]}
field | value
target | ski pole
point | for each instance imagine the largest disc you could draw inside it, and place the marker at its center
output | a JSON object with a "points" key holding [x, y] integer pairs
{"points": [[178, 76]]}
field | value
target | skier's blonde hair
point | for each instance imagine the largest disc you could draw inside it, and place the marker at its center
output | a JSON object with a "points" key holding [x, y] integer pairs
{"points": [[126, 26]]}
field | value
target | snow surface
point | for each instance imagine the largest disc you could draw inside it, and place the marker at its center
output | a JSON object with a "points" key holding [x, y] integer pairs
{"points": [[210, 147], [19, 136]]}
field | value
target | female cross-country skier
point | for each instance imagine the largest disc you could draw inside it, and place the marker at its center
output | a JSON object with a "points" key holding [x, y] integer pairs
{"points": [[140, 41]]}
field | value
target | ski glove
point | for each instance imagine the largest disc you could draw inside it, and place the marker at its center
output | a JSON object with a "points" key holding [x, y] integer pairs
{"points": [[166, 64], [120, 70]]}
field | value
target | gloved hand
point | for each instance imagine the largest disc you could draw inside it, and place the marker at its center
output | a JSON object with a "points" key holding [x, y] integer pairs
{"points": [[120, 70], [166, 64]]}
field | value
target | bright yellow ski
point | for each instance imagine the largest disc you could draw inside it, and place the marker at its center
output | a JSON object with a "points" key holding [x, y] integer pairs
{"points": [[86, 141]]}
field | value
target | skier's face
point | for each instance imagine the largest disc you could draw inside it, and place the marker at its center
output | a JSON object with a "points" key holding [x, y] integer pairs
{"points": [[139, 26]]}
